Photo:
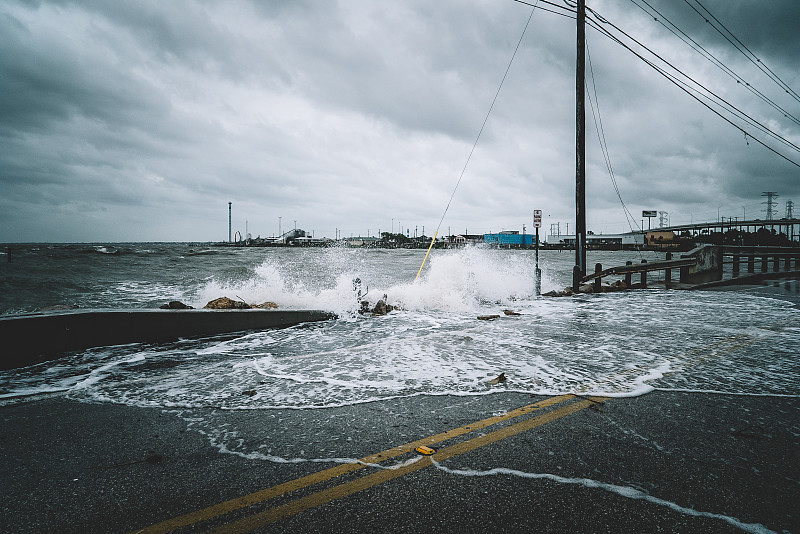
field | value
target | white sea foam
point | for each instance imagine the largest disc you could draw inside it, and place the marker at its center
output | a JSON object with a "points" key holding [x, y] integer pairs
{"points": [[624, 491], [618, 344]]}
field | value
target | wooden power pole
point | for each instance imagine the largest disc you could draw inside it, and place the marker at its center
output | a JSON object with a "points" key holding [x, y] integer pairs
{"points": [[579, 271]]}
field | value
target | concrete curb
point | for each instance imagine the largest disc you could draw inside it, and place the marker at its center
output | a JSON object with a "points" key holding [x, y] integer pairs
{"points": [[35, 337]]}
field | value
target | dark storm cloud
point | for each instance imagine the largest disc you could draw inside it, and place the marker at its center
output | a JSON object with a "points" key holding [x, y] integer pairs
{"points": [[142, 120]]}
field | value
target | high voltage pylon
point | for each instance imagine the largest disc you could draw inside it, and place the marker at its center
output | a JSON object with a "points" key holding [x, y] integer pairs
{"points": [[663, 219], [770, 202], [789, 206]]}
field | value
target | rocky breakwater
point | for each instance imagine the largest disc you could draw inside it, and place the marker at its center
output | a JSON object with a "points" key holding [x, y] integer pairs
{"points": [[221, 303]]}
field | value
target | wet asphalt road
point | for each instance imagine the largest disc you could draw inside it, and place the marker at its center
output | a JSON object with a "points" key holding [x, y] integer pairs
{"points": [[662, 462]]}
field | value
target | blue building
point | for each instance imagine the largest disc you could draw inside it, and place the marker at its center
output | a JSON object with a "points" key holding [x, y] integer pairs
{"points": [[509, 238]]}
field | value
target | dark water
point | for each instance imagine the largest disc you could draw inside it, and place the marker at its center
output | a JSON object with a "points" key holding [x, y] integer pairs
{"points": [[742, 341]]}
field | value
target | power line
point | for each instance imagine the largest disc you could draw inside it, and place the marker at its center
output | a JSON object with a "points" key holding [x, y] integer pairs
{"points": [[680, 34], [746, 52], [703, 90], [601, 136], [477, 138], [564, 13], [684, 86]]}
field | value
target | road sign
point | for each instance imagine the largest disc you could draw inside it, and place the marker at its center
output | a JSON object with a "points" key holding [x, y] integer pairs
{"points": [[649, 213], [537, 218]]}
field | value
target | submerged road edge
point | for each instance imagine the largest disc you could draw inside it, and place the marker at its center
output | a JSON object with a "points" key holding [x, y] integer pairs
{"points": [[36, 337]]}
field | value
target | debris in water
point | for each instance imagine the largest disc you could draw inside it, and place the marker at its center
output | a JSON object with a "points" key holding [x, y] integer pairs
{"points": [[500, 378], [249, 392], [511, 312], [488, 317]]}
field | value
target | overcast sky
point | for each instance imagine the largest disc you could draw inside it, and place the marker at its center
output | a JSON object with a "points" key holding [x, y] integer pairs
{"points": [[140, 121]]}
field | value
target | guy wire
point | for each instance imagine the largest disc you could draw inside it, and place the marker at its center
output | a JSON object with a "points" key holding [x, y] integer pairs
{"points": [[485, 120]]}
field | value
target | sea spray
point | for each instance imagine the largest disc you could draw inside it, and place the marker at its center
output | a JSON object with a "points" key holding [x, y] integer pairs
{"points": [[612, 344]]}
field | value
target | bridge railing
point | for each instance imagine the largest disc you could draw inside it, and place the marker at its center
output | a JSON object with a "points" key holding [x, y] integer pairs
{"points": [[703, 266], [758, 259], [629, 269]]}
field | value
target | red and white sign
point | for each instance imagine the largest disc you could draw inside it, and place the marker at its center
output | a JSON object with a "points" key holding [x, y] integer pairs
{"points": [[537, 218]]}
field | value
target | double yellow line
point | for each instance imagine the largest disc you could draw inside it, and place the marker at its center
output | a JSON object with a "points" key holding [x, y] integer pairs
{"points": [[348, 488]]}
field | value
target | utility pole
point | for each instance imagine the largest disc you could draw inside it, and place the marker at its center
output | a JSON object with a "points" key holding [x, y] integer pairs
{"points": [[579, 271], [229, 223]]}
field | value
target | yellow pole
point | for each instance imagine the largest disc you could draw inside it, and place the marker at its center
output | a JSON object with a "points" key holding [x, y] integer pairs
{"points": [[426, 254]]}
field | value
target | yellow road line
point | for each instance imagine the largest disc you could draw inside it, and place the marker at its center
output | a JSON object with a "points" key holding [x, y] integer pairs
{"points": [[210, 512], [348, 488]]}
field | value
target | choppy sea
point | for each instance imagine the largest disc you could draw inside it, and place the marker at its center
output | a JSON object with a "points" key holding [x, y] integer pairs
{"points": [[742, 341]]}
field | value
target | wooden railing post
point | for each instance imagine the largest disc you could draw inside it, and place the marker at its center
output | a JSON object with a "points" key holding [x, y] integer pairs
{"points": [[668, 273], [644, 276], [597, 268]]}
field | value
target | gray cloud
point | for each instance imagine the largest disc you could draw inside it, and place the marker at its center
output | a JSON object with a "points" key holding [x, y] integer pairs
{"points": [[141, 121]]}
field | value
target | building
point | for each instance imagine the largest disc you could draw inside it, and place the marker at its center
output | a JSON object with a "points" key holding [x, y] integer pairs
{"points": [[662, 239], [509, 239]]}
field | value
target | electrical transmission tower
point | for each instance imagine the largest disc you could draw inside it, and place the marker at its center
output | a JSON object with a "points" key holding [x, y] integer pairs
{"points": [[663, 219], [789, 206], [770, 202]]}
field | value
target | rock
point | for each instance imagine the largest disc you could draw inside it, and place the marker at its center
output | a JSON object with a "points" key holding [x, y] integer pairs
{"points": [[176, 305], [566, 293], [488, 317], [500, 378], [511, 312], [381, 308], [266, 305], [224, 303]]}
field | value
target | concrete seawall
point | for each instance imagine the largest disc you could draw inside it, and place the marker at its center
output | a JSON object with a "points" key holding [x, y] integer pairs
{"points": [[35, 337]]}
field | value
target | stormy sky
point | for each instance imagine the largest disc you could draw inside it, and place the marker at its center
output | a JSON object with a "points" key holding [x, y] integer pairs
{"points": [[140, 121]]}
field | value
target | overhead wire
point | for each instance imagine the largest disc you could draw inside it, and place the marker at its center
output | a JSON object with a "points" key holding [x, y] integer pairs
{"points": [[739, 45], [570, 13], [688, 91], [598, 23], [707, 92], [680, 34], [594, 104], [477, 138]]}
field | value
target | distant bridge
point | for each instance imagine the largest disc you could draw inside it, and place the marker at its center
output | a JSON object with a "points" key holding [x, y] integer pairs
{"points": [[789, 227]]}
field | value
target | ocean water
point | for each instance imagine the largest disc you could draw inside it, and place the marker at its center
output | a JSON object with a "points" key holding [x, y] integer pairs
{"points": [[742, 341]]}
